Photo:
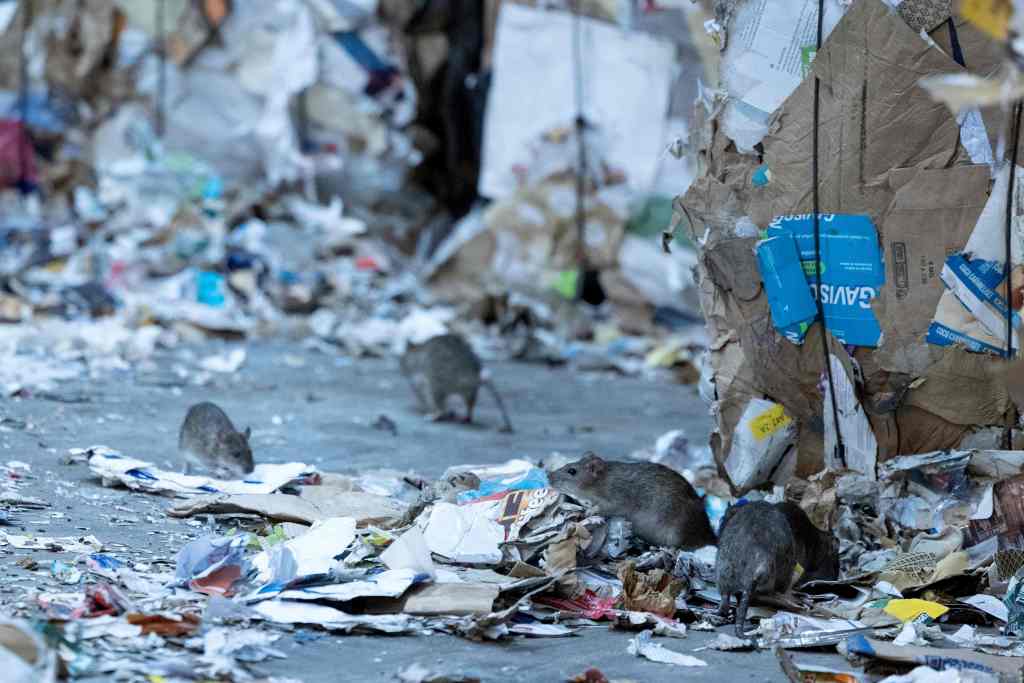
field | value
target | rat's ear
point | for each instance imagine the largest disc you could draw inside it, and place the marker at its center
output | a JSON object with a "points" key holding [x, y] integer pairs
{"points": [[247, 433], [594, 465]]}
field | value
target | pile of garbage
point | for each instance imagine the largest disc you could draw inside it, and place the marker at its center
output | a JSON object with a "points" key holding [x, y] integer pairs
{"points": [[909, 241], [931, 568], [177, 172]]}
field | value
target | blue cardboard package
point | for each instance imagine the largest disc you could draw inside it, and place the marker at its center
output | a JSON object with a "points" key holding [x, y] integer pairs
{"points": [[852, 273]]}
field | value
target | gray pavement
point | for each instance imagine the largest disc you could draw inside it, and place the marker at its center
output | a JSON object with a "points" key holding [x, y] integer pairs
{"points": [[310, 406]]}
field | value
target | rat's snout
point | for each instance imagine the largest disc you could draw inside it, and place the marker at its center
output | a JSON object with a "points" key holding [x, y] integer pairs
{"points": [[240, 468]]}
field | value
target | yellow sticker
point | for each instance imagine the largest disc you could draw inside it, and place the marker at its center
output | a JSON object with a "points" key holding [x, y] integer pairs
{"points": [[798, 571], [912, 610], [769, 422], [991, 16]]}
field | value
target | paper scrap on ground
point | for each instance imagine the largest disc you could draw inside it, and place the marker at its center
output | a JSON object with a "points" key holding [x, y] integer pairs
{"points": [[313, 552], [295, 612], [642, 646], [365, 508], [409, 551], [141, 475], [389, 584], [951, 658], [474, 532], [227, 362], [24, 654], [69, 544], [988, 604]]}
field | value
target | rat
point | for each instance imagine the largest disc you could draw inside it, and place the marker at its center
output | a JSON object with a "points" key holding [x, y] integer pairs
{"points": [[209, 440], [817, 551], [756, 555], [660, 504], [445, 366]]}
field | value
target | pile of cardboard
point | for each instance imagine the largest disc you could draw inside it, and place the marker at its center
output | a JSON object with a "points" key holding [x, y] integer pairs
{"points": [[914, 357]]}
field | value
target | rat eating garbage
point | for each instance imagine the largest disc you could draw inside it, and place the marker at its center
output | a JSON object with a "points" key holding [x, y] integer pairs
{"points": [[660, 504], [208, 440], [445, 366]]}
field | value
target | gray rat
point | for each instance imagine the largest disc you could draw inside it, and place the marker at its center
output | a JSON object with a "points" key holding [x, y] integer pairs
{"points": [[209, 440], [660, 504], [756, 554], [817, 551], [445, 366]]}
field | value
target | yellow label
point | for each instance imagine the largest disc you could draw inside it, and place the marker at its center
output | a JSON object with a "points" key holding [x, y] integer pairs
{"points": [[912, 610], [991, 16], [769, 422], [798, 571]]}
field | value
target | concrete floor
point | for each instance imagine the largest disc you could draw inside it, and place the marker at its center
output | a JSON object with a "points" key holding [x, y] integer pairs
{"points": [[310, 406]]}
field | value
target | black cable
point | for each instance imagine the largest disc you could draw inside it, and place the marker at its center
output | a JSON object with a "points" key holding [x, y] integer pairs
{"points": [[23, 93], [577, 58], [161, 87], [840, 447], [1015, 139]]}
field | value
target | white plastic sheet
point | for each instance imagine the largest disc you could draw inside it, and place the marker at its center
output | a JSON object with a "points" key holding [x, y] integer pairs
{"points": [[626, 78]]}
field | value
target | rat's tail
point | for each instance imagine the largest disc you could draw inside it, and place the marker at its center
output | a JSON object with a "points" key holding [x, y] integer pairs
{"points": [[741, 612], [744, 602], [485, 380]]}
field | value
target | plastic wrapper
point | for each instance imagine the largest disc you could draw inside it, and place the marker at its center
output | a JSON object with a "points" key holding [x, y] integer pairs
{"points": [[763, 435]]}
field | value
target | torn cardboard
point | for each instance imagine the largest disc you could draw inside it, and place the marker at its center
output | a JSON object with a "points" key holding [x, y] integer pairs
{"points": [[937, 658], [366, 508], [873, 117], [931, 215]]}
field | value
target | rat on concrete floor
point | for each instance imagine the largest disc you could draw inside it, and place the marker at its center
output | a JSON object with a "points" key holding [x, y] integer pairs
{"points": [[756, 555], [446, 366], [660, 504], [209, 440], [817, 551]]}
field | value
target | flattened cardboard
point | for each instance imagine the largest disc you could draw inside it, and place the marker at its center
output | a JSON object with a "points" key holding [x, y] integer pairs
{"points": [[931, 216], [937, 658], [873, 117], [961, 389]]}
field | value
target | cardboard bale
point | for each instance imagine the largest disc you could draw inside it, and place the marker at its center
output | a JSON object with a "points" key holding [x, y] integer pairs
{"points": [[888, 151]]}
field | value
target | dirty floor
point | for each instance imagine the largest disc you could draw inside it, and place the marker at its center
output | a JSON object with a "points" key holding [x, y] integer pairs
{"points": [[315, 407]]}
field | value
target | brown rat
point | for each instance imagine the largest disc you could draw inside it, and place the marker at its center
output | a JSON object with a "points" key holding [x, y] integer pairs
{"points": [[756, 555], [817, 551], [209, 440], [661, 505], [446, 366]]}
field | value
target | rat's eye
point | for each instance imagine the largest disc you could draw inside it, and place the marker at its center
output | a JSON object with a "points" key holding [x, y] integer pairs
{"points": [[571, 471]]}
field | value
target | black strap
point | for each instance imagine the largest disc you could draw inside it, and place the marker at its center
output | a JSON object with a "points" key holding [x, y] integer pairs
{"points": [[161, 85], [581, 147], [954, 43], [840, 447], [1014, 140]]}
